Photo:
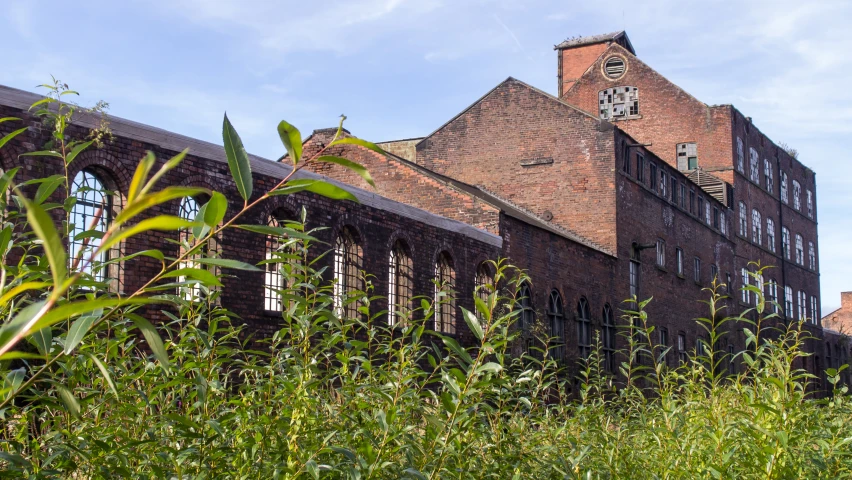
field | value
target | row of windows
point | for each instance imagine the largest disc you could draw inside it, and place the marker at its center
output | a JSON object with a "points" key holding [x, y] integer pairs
{"points": [[757, 236], [667, 186], [680, 267], [800, 307], [769, 180]]}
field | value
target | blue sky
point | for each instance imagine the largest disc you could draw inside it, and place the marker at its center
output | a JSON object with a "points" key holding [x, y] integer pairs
{"points": [[400, 68]]}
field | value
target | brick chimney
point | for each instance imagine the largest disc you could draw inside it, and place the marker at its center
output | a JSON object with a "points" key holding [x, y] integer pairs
{"points": [[846, 301], [575, 55]]}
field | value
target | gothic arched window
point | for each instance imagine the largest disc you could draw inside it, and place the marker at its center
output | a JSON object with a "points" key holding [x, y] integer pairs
{"points": [[275, 278], [348, 263], [400, 283], [93, 211], [445, 302], [527, 316], [584, 328], [557, 323]]}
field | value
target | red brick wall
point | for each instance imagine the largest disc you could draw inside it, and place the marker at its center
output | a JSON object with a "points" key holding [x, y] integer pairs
{"points": [[401, 182], [486, 144], [575, 61], [243, 291]]}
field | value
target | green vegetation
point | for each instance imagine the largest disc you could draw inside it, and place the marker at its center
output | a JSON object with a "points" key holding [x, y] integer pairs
{"points": [[85, 396]]}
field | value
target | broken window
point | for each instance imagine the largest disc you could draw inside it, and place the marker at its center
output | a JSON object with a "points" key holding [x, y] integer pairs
{"points": [[811, 255], [770, 234], [740, 156], [797, 191], [800, 250], [767, 172], [784, 197], [810, 197], [754, 169], [663, 182], [687, 156], [785, 242], [618, 102], [756, 227], [743, 220]]}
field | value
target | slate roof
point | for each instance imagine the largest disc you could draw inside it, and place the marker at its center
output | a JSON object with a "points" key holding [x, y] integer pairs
{"points": [[593, 39]]}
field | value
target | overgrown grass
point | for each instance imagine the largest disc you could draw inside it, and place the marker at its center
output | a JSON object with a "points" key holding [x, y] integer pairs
{"points": [[353, 398]]}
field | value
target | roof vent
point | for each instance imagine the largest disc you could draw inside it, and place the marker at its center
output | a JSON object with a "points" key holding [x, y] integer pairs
{"points": [[547, 215], [614, 67]]}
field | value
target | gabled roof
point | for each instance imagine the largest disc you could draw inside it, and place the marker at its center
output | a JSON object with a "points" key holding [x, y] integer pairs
{"points": [[593, 39]]}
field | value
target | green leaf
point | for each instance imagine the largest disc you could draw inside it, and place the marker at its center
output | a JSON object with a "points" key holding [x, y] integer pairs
{"points": [[105, 373], [215, 209], [199, 274], [9, 137], [69, 400], [357, 141], [227, 263], [170, 164], [292, 140], [163, 223], [47, 187], [44, 229], [489, 367], [77, 150], [355, 167], [319, 187], [79, 329], [8, 119], [6, 179], [152, 337], [43, 340], [140, 175], [12, 382], [20, 356], [144, 202], [238, 160], [472, 323], [68, 310], [41, 153]]}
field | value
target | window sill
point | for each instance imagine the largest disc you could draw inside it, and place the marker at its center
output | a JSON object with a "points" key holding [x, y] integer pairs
{"points": [[662, 268], [681, 276]]}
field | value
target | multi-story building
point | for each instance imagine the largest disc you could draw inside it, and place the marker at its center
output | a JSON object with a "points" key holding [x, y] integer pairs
{"points": [[621, 186]]}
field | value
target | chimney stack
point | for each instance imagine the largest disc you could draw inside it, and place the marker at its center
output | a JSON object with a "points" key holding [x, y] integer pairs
{"points": [[846, 301]]}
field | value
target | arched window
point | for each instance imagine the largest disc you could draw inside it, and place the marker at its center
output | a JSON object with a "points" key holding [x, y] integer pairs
{"points": [[584, 328], [743, 220], [400, 283], [445, 302], [527, 317], [756, 226], [483, 282], [557, 323], [800, 250], [188, 210], [93, 211], [348, 263], [608, 339], [275, 278]]}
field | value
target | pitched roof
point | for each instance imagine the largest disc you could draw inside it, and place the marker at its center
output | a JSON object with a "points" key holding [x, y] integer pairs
{"points": [[593, 39], [21, 99]]}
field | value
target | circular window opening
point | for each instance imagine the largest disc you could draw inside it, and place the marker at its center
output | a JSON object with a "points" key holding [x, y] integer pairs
{"points": [[614, 67]]}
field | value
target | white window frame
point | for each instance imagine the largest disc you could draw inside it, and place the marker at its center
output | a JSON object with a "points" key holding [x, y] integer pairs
{"points": [[756, 227], [770, 234]]}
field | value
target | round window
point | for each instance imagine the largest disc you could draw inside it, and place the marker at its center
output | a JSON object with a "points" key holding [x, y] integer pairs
{"points": [[614, 67]]}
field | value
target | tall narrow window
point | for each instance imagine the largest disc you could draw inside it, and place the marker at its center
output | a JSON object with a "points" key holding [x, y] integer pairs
{"points": [[788, 301], [673, 189], [754, 168], [93, 211], [692, 201], [767, 172], [811, 256], [664, 342], [814, 310], [683, 195], [743, 220], [527, 317], [700, 206], [732, 365], [679, 260], [557, 323], [717, 220], [723, 225], [681, 347], [400, 283], [714, 272], [445, 301], [483, 281], [797, 195], [785, 242], [740, 156], [773, 295], [189, 289], [608, 339], [661, 253], [634, 279], [640, 167], [770, 234], [756, 225], [800, 250], [696, 269], [584, 329], [803, 305], [810, 198], [707, 213], [274, 280], [653, 176], [664, 181], [745, 280], [625, 164], [348, 263], [784, 193]]}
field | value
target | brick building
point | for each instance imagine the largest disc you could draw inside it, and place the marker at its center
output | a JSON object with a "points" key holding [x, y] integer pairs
{"points": [[621, 185]]}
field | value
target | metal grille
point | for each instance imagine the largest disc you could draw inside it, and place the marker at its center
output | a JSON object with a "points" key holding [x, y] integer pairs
{"points": [[189, 211], [445, 305], [348, 263], [608, 339], [274, 280], [584, 329], [400, 283], [92, 212], [614, 67], [557, 324]]}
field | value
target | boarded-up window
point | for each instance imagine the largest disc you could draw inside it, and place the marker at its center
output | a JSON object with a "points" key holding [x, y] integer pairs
{"points": [[618, 102], [687, 156]]}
